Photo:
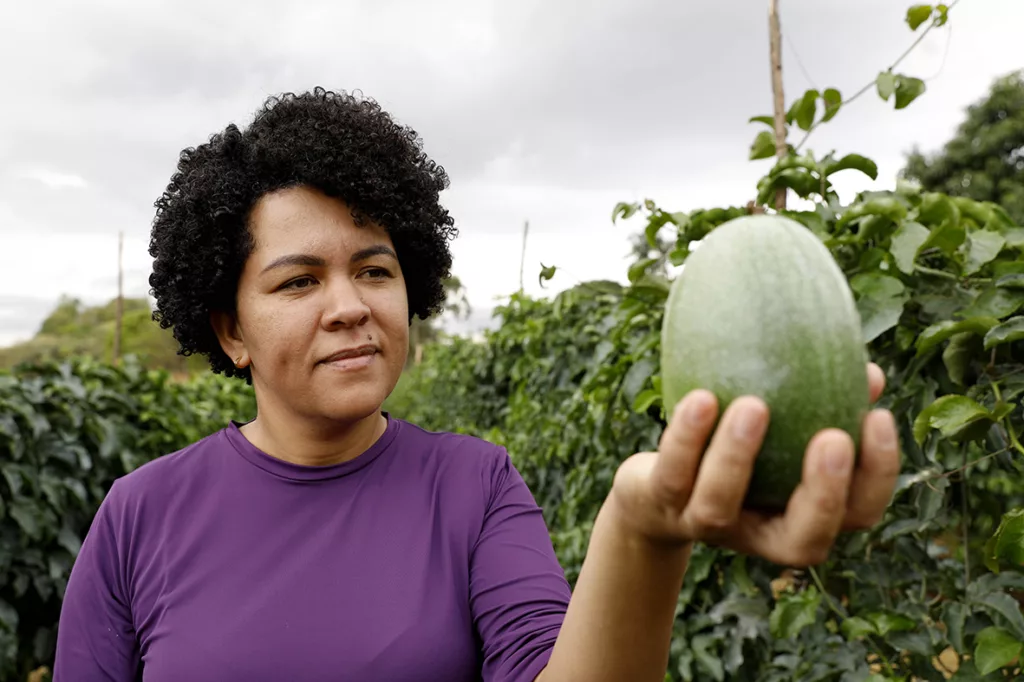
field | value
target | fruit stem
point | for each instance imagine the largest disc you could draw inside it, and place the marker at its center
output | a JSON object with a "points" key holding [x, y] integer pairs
{"points": [[1013, 437], [1010, 433], [965, 510]]}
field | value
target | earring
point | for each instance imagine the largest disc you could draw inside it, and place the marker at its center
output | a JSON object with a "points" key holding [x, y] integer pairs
{"points": [[238, 362]]}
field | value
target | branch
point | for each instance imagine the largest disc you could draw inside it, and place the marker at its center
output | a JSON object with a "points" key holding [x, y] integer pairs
{"points": [[828, 601], [775, 40], [965, 507], [867, 87]]}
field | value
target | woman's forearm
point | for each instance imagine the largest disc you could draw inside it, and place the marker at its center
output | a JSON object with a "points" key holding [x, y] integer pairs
{"points": [[619, 622]]}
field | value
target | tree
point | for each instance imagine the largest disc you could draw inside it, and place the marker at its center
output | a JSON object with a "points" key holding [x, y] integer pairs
{"points": [[422, 332], [985, 159], [640, 250], [63, 317], [74, 329]]}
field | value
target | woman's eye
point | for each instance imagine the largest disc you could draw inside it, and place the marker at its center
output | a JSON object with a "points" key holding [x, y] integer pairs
{"points": [[377, 273], [300, 283]]}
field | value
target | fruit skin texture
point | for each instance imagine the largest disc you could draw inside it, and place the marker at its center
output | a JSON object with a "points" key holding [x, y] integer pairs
{"points": [[761, 308]]}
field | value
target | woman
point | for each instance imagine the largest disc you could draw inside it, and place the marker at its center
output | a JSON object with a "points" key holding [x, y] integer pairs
{"points": [[327, 540]]}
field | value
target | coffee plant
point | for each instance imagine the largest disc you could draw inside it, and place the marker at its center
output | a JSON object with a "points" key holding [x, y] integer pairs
{"points": [[67, 430]]}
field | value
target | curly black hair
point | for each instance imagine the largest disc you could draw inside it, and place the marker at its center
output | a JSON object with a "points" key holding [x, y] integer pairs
{"points": [[341, 144]]}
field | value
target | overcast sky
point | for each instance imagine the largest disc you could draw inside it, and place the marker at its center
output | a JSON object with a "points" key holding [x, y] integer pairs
{"points": [[543, 111]]}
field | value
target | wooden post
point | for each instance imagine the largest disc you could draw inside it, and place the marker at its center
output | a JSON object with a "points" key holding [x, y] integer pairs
{"points": [[775, 41], [119, 315]]}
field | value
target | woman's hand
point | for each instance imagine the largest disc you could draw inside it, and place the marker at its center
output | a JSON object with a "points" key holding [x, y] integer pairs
{"points": [[691, 490]]}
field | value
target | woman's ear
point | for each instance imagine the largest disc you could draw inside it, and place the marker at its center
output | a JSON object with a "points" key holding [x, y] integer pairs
{"points": [[225, 326]]}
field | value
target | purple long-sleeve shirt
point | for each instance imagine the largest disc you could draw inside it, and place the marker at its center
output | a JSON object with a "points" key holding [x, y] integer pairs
{"points": [[425, 558]]}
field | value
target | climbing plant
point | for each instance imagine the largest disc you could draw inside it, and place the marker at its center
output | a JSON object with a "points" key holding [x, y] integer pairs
{"points": [[570, 386]]}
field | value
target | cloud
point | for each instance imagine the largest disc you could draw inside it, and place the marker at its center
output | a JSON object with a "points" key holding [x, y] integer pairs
{"points": [[20, 316], [540, 111], [54, 179]]}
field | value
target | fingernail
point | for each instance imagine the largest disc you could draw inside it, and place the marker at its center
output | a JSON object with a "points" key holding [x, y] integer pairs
{"points": [[885, 431], [747, 425], [837, 460], [696, 410]]}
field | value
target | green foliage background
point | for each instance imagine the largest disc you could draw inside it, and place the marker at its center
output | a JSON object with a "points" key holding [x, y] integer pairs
{"points": [[67, 430], [985, 160]]}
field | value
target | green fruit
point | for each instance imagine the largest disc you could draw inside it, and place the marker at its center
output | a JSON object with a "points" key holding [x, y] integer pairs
{"points": [[761, 308]]}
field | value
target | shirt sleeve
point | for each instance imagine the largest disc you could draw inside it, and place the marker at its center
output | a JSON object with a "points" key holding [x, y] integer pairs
{"points": [[96, 640], [518, 590]]}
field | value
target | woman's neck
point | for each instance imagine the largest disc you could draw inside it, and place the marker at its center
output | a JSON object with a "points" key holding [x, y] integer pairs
{"points": [[300, 442]]}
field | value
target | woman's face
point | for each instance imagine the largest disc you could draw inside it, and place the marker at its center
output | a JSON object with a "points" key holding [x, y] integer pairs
{"points": [[322, 314]]}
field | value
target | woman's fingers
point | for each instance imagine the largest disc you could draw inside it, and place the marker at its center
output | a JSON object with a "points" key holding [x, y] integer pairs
{"points": [[721, 485], [876, 381], [805, 534], [874, 479], [682, 446]]}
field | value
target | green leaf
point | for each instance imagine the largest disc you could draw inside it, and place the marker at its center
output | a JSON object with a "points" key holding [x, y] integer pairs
{"points": [[796, 179], [973, 210], [1008, 332], [917, 15], [1007, 543], [763, 146], [907, 90], [624, 210], [678, 255], [635, 379], [546, 273], [810, 219], [651, 232], [958, 354], [853, 162], [880, 301], [1015, 237], [995, 648], [807, 109], [645, 399], [833, 101], [906, 244], [8, 617], [886, 622], [706, 659], [698, 570], [67, 539], [947, 236], [639, 269], [984, 247], [886, 84], [940, 331], [856, 628], [937, 208], [943, 15], [27, 517], [952, 415], [915, 642], [767, 120], [966, 672], [1007, 607], [1014, 281], [887, 207], [995, 302], [794, 612], [954, 615]]}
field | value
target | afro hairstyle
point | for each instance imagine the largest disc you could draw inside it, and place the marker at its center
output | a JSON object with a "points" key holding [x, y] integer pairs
{"points": [[340, 144]]}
